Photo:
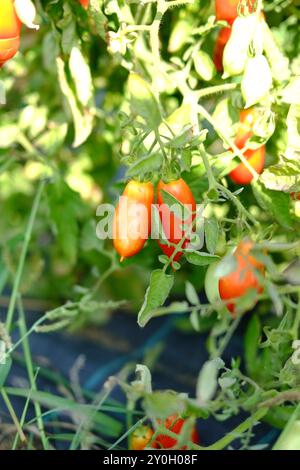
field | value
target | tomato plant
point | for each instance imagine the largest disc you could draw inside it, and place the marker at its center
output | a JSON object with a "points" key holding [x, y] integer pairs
{"points": [[110, 99]]}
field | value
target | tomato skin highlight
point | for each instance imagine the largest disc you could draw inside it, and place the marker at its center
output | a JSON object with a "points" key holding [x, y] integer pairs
{"points": [[134, 213], [174, 424], [227, 10], [10, 28], [237, 283], [141, 437], [256, 158], [222, 39], [171, 224]]}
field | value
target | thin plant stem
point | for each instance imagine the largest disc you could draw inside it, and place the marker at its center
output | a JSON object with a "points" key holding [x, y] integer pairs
{"points": [[25, 246], [30, 371]]}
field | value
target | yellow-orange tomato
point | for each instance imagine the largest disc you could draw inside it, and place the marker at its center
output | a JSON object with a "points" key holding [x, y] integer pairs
{"points": [[132, 221], [10, 27], [141, 437], [237, 283], [256, 158]]}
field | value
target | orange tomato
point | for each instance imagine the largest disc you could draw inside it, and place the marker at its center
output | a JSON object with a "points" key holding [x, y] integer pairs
{"points": [[256, 158], [227, 10], [141, 437], [85, 3], [132, 220], [237, 283], [174, 424], [173, 225]]}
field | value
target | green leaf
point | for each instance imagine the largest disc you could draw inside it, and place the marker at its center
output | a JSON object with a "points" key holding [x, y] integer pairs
{"points": [[211, 230], [64, 205], [292, 273], [275, 203], [191, 293], [142, 101], [99, 18], [81, 75], [156, 295], [144, 382], [199, 258], [109, 426], [283, 177], [293, 125], [163, 404], [207, 382], [82, 117], [144, 165]]}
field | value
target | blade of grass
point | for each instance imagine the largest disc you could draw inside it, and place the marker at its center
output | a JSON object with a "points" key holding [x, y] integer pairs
{"points": [[23, 417], [20, 267], [13, 414], [30, 371]]}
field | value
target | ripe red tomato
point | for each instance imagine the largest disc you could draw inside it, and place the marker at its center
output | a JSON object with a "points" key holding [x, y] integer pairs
{"points": [[227, 10], [141, 437], [171, 224], [10, 27], [132, 221], [85, 3], [245, 277], [174, 424], [222, 39], [256, 158]]}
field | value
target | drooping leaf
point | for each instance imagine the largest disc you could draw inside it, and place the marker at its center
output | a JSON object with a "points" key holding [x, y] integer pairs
{"points": [[157, 293]]}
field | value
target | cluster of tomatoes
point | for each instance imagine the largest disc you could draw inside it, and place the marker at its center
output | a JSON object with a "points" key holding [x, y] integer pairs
{"points": [[143, 435], [140, 195], [228, 11]]}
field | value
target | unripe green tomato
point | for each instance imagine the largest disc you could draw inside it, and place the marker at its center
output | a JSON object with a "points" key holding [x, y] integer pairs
{"points": [[211, 284], [204, 66], [235, 54], [257, 80]]}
